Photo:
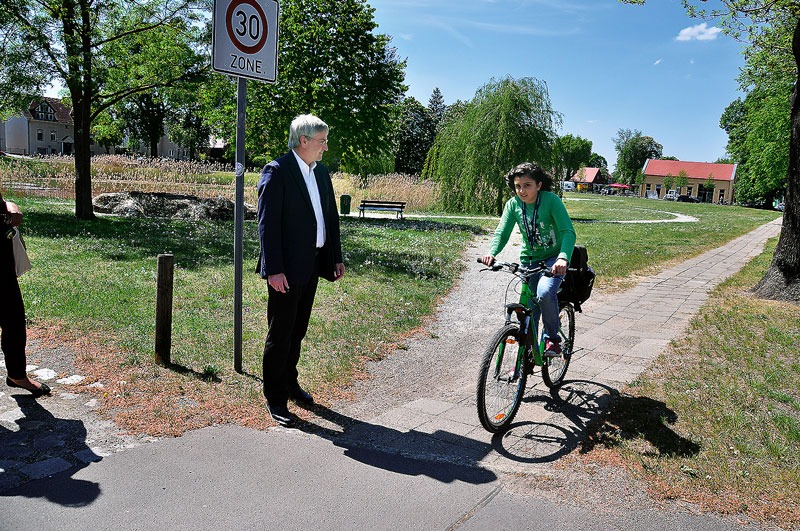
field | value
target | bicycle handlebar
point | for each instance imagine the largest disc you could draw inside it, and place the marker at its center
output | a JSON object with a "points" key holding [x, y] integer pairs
{"points": [[522, 269]]}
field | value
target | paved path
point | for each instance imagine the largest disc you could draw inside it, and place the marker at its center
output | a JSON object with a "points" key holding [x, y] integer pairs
{"points": [[421, 400], [408, 453]]}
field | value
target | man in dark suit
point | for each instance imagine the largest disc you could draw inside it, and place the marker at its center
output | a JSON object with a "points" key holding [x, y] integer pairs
{"points": [[299, 230]]}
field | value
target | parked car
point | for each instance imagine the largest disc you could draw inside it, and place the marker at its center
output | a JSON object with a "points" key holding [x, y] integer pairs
{"points": [[568, 186], [687, 199], [671, 195]]}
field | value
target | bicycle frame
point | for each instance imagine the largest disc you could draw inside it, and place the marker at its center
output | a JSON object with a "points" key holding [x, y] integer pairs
{"points": [[529, 327]]}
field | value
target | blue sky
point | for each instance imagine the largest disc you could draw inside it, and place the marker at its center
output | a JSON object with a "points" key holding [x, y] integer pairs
{"points": [[607, 65]]}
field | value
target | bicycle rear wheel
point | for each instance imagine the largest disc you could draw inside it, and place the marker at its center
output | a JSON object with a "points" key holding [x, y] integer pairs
{"points": [[554, 369], [501, 380]]}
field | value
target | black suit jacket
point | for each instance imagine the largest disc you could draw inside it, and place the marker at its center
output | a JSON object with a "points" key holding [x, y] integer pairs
{"points": [[287, 226]]}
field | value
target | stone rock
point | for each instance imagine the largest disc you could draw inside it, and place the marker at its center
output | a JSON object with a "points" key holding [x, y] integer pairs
{"points": [[166, 205]]}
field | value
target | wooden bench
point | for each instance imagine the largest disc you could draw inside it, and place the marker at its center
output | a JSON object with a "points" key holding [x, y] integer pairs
{"points": [[387, 206]]}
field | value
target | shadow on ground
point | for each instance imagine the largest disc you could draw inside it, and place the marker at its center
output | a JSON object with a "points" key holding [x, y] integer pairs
{"points": [[638, 417], [40, 457], [402, 452]]}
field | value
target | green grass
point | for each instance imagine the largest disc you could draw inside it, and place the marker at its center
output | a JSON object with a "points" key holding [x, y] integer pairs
{"points": [[731, 439], [99, 277]]}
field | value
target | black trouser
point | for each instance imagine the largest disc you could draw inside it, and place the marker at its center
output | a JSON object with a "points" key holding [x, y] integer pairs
{"points": [[12, 314], [288, 314]]}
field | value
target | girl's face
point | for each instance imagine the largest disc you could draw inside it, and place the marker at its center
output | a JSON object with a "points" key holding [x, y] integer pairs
{"points": [[527, 189]]}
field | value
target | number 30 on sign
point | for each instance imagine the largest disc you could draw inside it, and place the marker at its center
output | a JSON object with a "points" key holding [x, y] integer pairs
{"points": [[246, 38]]}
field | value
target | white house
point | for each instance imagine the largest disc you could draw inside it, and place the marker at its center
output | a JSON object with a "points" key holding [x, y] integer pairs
{"points": [[44, 128]]}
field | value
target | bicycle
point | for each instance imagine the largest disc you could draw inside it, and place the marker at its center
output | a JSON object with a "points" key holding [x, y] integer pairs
{"points": [[502, 377]]}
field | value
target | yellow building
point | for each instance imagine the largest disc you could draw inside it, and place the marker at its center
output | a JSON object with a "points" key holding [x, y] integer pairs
{"points": [[722, 178]]}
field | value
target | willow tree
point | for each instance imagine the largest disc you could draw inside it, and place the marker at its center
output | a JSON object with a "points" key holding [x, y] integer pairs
{"points": [[760, 23], [509, 121]]}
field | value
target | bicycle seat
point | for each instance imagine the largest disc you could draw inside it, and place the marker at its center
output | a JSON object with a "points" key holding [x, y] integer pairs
{"points": [[518, 308]]}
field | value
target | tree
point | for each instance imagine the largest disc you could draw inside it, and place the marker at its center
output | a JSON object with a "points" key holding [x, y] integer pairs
{"points": [[108, 131], [633, 150], [758, 140], [669, 157], [773, 30], [509, 121], [415, 138], [436, 106], [569, 154], [144, 115], [186, 125], [598, 161], [84, 43], [682, 180], [332, 64], [669, 182]]}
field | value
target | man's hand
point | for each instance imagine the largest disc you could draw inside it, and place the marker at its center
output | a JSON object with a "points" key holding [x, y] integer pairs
{"points": [[14, 214], [488, 260], [338, 271], [278, 282], [560, 267]]}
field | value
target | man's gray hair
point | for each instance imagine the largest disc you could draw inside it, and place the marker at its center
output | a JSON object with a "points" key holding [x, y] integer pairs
{"points": [[306, 125]]}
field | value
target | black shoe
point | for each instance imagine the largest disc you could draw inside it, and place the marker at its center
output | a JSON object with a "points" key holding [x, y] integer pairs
{"points": [[42, 390], [281, 415], [299, 395]]}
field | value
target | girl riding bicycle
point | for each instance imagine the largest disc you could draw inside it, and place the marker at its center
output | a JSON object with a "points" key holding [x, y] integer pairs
{"points": [[547, 236]]}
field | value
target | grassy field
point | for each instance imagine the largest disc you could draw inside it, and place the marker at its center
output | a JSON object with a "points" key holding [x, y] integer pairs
{"points": [[716, 420]]}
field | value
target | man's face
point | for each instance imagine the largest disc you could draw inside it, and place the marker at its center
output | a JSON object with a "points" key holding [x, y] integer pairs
{"points": [[313, 147]]}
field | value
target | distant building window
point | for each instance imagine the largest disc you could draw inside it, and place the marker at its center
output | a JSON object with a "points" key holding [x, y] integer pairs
{"points": [[647, 187], [45, 112], [53, 136], [41, 151], [689, 190], [39, 134]]}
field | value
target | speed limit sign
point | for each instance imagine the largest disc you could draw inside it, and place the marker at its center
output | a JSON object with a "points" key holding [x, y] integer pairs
{"points": [[245, 38]]}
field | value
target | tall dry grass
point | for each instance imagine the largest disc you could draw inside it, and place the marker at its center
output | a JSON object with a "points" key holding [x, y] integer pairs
{"points": [[54, 176], [419, 195]]}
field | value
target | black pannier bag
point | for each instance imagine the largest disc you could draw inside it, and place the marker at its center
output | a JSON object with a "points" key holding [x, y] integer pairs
{"points": [[579, 280]]}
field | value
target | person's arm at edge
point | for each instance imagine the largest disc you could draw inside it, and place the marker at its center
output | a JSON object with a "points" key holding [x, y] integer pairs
{"points": [[501, 234], [334, 232], [270, 208], [568, 237]]}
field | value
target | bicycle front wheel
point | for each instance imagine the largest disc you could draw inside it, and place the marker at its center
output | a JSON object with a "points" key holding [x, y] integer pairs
{"points": [[554, 369], [501, 379]]}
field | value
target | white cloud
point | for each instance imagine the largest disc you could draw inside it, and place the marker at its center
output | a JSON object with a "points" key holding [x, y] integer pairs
{"points": [[691, 61], [405, 36], [700, 32], [657, 62]]}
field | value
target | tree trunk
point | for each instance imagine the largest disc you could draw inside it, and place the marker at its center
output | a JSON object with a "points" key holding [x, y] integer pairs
{"points": [[83, 163], [782, 280]]}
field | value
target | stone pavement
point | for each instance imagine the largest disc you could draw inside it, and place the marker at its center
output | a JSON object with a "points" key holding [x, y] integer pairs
{"points": [[421, 401]]}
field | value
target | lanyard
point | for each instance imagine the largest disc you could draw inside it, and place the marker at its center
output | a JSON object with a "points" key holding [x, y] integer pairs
{"points": [[532, 237]]}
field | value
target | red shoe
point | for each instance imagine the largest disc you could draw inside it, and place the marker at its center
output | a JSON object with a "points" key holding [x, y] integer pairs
{"points": [[551, 349]]}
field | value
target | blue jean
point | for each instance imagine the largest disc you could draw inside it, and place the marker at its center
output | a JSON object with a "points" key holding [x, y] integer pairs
{"points": [[547, 297]]}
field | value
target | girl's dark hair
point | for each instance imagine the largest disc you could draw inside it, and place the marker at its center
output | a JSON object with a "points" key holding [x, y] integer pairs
{"points": [[532, 170]]}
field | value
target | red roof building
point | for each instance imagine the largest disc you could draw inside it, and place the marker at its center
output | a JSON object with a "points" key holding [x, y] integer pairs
{"points": [[705, 181], [589, 176]]}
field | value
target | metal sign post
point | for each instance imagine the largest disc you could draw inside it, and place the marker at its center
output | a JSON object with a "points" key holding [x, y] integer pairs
{"points": [[245, 45]]}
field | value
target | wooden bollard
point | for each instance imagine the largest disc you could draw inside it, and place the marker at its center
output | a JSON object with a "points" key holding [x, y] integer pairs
{"points": [[164, 308]]}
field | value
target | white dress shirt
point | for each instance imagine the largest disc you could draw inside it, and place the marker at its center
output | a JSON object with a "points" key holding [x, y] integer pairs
{"points": [[313, 191]]}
